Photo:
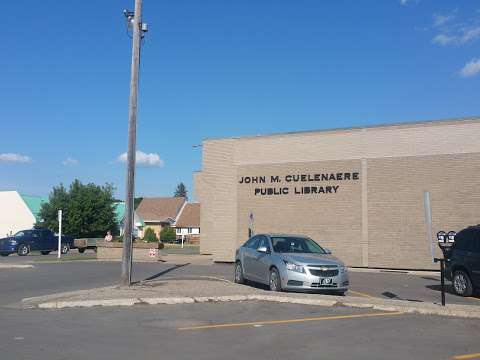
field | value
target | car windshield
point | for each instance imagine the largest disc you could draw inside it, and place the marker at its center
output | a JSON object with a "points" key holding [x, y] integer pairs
{"points": [[292, 244], [19, 234]]}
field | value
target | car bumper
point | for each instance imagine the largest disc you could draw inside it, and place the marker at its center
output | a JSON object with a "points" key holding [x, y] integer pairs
{"points": [[8, 248], [300, 282]]}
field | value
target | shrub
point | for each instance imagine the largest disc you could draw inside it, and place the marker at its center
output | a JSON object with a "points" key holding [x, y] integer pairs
{"points": [[150, 235], [167, 234]]}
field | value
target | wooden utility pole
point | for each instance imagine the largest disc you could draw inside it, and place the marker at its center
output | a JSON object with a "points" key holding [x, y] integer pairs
{"points": [[132, 139]]}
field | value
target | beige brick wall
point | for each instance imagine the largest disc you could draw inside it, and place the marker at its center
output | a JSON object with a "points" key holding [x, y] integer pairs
{"points": [[396, 225], [376, 221], [218, 200], [334, 220]]}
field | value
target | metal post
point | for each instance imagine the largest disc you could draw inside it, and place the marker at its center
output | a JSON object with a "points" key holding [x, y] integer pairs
{"points": [[126, 277], [428, 222], [442, 279], [59, 233]]}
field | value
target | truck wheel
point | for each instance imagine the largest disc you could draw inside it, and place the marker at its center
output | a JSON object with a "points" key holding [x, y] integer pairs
{"points": [[462, 284], [81, 251], [65, 248], [22, 250], [45, 252]]}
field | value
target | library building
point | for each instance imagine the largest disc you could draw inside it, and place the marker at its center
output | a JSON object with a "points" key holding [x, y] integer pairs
{"points": [[360, 192]]}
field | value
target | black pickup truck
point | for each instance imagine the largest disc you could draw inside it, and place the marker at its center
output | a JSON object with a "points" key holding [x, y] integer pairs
{"points": [[37, 239]]}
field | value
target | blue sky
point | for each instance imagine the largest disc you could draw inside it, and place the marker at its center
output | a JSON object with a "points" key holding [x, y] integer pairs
{"points": [[217, 68]]}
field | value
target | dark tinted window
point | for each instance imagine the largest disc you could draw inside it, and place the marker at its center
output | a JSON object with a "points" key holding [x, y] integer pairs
{"points": [[252, 243], [45, 233], [292, 244], [476, 241], [465, 240]]}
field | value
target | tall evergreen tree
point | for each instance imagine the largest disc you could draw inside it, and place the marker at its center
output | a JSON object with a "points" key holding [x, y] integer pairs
{"points": [[181, 191]]}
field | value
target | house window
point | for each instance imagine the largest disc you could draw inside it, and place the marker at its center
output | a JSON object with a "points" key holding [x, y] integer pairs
{"points": [[179, 231], [189, 230]]}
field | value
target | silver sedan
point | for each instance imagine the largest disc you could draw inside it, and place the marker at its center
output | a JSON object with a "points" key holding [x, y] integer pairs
{"points": [[290, 262]]}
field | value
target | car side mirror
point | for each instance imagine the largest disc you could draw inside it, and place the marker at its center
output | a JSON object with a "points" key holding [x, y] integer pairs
{"points": [[328, 251], [262, 249]]}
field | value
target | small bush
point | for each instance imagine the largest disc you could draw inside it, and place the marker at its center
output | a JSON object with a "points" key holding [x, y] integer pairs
{"points": [[167, 234], [150, 235]]}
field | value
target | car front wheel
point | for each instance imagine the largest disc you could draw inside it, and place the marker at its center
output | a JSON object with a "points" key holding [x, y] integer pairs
{"points": [[275, 281], [22, 250], [239, 279], [462, 284]]}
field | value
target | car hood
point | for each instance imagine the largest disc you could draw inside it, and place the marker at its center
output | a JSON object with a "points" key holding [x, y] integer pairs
{"points": [[312, 259], [7, 238]]}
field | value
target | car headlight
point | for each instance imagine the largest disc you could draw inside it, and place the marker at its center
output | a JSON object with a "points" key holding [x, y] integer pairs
{"points": [[294, 267], [13, 242], [343, 269]]}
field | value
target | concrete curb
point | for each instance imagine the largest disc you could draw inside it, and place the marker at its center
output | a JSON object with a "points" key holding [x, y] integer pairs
{"points": [[394, 271], [463, 311], [16, 266]]}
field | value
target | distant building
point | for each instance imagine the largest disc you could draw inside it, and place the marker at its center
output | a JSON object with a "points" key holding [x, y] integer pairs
{"points": [[188, 223], [138, 224], [158, 212], [18, 211]]}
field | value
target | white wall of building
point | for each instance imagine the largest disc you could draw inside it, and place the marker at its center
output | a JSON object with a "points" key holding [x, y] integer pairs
{"points": [[14, 213]]}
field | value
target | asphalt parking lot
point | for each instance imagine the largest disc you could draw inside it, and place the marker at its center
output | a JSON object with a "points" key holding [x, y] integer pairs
{"points": [[221, 330], [83, 274], [254, 330]]}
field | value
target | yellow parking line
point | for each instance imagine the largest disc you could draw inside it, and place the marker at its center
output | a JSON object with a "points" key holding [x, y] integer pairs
{"points": [[362, 294], [290, 321], [467, 356]]}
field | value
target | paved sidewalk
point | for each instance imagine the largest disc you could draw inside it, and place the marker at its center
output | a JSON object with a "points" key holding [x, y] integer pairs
{"points": [[209, 289]]}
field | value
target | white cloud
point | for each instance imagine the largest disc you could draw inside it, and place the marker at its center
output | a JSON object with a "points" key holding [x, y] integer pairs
{"points": [[471, 34], [471, 68], [462, 36], [70, 161], [144, 159], [443, 39], [11, 157], [440, 20], [406, 2]]}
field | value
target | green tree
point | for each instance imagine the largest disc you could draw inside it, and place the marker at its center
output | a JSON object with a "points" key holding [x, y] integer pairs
{"points": [[150, 235], [167, 234], [87, 210], [181, 191]]}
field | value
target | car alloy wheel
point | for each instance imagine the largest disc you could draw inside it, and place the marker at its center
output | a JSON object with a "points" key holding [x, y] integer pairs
{"points": [[274, 280], [461, 284], [239, 273]]}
